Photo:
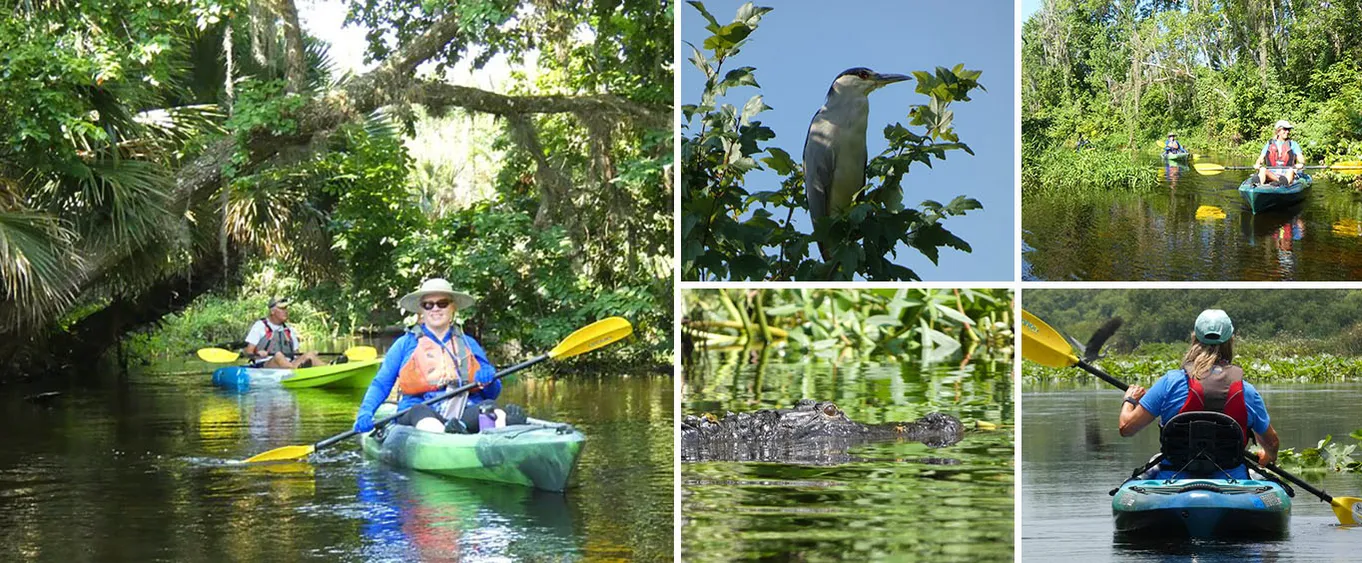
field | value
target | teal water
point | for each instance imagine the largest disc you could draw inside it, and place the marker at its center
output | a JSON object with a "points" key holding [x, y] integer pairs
{"points": [[894, 501], [1072, 455], [139, 468]]}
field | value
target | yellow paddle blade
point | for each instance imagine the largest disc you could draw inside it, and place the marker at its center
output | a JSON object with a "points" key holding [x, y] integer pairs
{"points": [[286, 453], [1347, 227], [1209, 212], [1347, 509], [217, 355], [1045, 345], [592, 336], [1346, 164], [1208, 168], [361, 353]]}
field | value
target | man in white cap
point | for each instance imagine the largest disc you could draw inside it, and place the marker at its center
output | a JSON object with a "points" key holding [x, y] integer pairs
{"points": [[270, 342], [1282, 157], [434, 356], [1207, 381]]}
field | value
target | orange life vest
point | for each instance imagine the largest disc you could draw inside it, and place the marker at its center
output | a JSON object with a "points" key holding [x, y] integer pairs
{"points": [[1280, 155], [433, 366]]}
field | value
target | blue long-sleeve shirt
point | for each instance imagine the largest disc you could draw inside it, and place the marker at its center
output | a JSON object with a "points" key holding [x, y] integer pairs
{"points": [[400, 354]]}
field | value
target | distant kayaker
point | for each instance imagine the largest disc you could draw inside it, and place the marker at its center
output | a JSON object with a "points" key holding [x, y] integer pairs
{"points": [[435, 355], [1172, 146], [1219, 386], [271, 343], [1282, 157]]}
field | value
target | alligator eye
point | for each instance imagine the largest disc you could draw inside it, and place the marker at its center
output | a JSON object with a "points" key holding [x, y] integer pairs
{"points": [[830, 410]]}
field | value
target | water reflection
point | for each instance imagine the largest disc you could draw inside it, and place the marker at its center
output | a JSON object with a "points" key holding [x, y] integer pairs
{"points": [[1165, 234], [886, 500]]}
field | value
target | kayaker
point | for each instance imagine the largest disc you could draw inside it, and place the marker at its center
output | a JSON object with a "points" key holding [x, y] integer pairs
{"points": [[1282, 157], [1172, 146], [271, 343], [432, 356], [1207, 368]]}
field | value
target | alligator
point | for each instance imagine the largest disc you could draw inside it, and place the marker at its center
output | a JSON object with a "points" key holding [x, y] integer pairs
{"points": [[811, 432]]}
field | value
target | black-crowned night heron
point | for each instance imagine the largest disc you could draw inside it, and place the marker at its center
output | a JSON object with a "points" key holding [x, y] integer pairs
{"points": [[834, 151]]}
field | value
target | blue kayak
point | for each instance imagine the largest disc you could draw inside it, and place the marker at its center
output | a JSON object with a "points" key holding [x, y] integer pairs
{"points": [[1260, 197], [1202, 508]]}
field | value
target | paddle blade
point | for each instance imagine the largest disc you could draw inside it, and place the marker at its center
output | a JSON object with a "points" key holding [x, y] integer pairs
{"points": [[1346, 164], [217, 355], [1091, 351], [286, 453], [1347, 509], [592, 336], [1208, 168], [1044, 345], [1209, 213], [361, 353]]}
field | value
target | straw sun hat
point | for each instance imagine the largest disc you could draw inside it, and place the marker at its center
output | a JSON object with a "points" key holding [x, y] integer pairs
{"points": [[412, 301]]}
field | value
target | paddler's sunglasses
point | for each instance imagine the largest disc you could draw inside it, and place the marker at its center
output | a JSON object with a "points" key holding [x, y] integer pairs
{"points": [[430, 305]]}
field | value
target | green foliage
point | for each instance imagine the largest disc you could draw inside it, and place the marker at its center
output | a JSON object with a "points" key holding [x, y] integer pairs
{"points": [[216, 319], [728, 232], [1327, 455], [934, 324], [1085, 173], [1218, 72]]}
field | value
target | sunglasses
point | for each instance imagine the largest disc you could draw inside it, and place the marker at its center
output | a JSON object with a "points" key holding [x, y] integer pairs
{"points": [[431, 305]]}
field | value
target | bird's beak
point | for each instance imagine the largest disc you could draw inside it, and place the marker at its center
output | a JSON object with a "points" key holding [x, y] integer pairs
{"points": [[882, 80]]}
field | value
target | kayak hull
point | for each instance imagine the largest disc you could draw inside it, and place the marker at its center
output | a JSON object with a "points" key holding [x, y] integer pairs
{"points": [[1202, 508], [1261, 198], [1176, 155], [349, 375], [540, 454]]}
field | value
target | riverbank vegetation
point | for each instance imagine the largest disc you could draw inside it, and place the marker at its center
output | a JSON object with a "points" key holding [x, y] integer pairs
{"points": [[930, 325], [1122, 75], [1280, 335], [151, 155]]}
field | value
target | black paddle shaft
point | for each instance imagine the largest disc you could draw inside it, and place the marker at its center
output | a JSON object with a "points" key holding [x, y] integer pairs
{"points": [[438, 398]]}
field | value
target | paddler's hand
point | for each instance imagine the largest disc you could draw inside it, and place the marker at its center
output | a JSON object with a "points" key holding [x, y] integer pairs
{"points": [[1135, 392], [1264, 457], [364, 422]]}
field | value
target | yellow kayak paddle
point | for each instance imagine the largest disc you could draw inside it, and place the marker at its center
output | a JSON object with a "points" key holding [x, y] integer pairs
{"points": [[221, 356], [1211, 168], [585, 339], [1047, 347]]}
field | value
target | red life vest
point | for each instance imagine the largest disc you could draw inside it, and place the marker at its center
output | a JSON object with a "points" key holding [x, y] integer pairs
{"points": [[1220, 391], [269, 345], [1280, 155], [433, 366]]}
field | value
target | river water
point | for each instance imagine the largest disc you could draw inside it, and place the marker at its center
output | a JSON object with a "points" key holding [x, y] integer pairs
{"points": [[1072, 455], [1192, 227], [137, 469], [893, 501]]}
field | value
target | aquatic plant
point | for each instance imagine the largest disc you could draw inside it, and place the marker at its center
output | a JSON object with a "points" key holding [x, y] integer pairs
{"points": [[1327, 455]]}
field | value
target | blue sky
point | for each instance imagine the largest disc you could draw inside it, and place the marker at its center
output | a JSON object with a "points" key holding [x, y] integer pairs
{"points": [[801, 46]]}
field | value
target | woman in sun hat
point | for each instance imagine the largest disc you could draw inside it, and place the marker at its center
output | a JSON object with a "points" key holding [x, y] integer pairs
{"points": [[1281, 157], [1207, 381], [433, 356]]}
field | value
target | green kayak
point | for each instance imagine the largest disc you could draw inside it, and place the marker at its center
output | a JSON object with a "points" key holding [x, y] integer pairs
{"points": [[1176, 155], [352, 375], [539, 454]]}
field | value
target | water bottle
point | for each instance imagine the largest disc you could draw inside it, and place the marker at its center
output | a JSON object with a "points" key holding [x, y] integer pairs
{"points": [[487, 417]]}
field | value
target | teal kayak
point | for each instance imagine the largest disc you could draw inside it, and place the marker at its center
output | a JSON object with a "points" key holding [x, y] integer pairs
{"points": [[539, 454], [1202, 508], [1176, 155], [1264, 197], [350, 375]]}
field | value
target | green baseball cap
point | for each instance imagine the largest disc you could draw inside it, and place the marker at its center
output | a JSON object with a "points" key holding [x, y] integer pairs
{"points": [[1213, 326]]}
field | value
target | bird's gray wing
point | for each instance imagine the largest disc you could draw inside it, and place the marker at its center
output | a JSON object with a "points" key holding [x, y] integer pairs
{"points": [[819, 160]]}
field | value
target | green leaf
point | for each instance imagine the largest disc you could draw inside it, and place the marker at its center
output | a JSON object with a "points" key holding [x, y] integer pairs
{"points": [[780, 161]]}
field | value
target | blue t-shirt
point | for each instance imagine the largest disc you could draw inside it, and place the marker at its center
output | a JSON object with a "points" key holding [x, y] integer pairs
{"points": [[1295, 148], [400, 354], [1166, 397]]}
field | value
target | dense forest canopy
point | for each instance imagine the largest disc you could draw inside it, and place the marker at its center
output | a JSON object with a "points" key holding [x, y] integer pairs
{"points": [[1167, 315], [1218, 72], [152, 152]]}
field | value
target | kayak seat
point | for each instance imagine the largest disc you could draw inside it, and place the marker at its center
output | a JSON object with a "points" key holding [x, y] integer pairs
{"points": [[1202, 443]]}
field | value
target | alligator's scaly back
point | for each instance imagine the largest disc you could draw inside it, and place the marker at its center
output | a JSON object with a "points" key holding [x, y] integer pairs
{"points": [[812, 431]]}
